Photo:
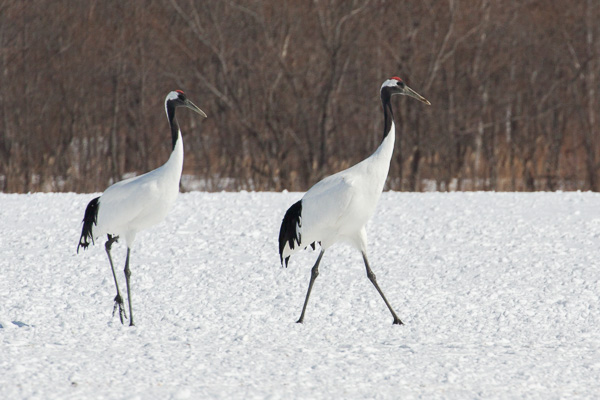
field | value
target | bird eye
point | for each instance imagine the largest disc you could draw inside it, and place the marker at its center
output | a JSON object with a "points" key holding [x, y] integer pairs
{"points": [[401, 84]]}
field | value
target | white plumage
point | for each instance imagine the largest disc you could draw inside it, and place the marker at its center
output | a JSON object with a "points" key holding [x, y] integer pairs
{"points": [[337, 208], [138, 203]]}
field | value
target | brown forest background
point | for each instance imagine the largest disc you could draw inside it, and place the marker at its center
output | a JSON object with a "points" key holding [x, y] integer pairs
{"points": [[291, 89]]}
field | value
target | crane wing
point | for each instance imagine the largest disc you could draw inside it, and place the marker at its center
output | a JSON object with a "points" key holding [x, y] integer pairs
{"points": [[124, 201], [325, 205]]}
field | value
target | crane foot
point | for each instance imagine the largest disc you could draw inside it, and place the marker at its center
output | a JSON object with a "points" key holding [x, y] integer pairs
{"points": [[119, 303]]}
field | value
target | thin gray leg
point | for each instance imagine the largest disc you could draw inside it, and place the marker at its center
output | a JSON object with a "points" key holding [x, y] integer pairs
{"points": [[313, 275], [127, 276], [373, 280], [118, 298]]}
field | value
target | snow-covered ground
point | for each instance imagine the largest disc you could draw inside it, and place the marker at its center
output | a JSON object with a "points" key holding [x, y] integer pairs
{"points": [[499, 293]]}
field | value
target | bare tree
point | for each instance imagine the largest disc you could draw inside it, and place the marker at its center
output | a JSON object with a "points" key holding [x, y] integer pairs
{"points": [[291, 92]]}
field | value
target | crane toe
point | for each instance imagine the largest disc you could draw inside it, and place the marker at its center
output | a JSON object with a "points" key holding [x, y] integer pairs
{"points": [[119, 303]]}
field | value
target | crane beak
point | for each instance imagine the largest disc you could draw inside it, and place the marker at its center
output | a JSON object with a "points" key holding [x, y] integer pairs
{"points": [[193, 107], [409, 92]]}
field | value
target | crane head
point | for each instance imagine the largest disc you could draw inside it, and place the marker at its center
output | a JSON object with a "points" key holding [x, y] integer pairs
{"points": [[396, 85], [179, 99]]}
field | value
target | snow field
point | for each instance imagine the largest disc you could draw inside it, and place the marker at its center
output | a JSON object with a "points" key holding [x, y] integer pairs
{"points": [[499, 293]]}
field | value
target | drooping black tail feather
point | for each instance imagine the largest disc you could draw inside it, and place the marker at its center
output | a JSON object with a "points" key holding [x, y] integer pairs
{"points": [[90, 218], [290, 229]]}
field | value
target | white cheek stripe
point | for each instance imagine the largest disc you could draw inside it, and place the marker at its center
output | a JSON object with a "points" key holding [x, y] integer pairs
{"points": [[171, 96]]}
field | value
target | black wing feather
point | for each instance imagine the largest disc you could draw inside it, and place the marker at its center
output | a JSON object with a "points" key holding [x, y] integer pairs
{"points": [[90, 218], [288, 233]]}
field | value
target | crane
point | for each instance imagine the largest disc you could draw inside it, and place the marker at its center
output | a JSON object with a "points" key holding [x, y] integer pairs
{"points": [[134, 204], [337, 208]]}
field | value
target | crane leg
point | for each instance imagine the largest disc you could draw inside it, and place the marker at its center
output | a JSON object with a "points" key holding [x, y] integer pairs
{"points": [[313, 275], [118, 298], [373, 280], [127, 276]]}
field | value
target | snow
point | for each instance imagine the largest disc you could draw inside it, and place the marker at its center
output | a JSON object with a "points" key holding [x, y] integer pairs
{"points": [[499, 293]]}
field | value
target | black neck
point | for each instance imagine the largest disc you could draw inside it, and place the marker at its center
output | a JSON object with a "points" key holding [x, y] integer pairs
{"points": [[388, 115], [173, 123]]}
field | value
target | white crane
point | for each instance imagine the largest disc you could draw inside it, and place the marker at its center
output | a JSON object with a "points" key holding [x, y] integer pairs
{"points": [[132, 205], [338, 207]]}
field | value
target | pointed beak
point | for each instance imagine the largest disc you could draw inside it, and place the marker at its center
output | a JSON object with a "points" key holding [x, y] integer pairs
{"points": [[193, 107], [409, 92]]}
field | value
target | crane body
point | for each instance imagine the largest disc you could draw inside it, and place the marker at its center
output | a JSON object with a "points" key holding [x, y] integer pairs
{"points": [[137, 203], [337, 208]]}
